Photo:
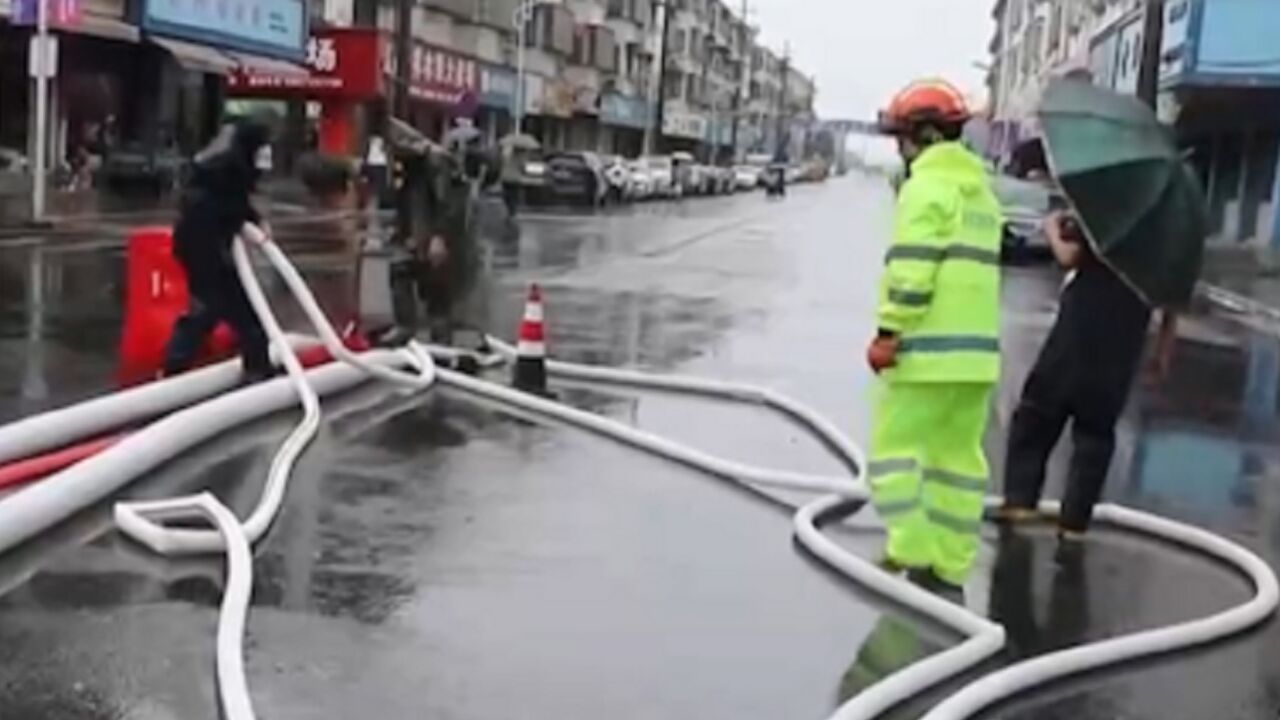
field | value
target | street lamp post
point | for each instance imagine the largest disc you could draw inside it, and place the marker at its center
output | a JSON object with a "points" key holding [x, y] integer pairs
{"points": [[44, 68], [653, 134], [524, 14]]}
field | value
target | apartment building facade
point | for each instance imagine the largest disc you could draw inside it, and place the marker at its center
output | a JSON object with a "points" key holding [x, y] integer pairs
{"points": [[163, 79], [1219, 88]]}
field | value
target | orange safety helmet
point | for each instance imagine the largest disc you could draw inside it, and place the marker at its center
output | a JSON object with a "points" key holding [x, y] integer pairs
{"points": [[931, 100]]}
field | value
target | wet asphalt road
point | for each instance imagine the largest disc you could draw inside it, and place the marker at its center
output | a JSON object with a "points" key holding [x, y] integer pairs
{"points": [[438, 558]]}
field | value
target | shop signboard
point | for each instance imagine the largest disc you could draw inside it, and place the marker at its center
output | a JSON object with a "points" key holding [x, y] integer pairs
{"points": [[622, 111], [684, 125], [62, 13], [535, 94], [343, 63], [557, 100], [443, 77], [497, 87], [586, 100], [273, 28]]}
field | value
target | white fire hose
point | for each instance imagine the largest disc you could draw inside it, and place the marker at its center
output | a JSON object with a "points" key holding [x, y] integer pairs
{"points": [[983, 638], [141, 521]]}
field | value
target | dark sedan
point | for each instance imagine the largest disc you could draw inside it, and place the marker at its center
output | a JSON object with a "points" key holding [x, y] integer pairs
{"points": [[576, 177]]}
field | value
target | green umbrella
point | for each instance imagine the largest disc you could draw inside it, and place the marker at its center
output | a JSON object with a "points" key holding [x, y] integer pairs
{"points": [[1141, 206]]}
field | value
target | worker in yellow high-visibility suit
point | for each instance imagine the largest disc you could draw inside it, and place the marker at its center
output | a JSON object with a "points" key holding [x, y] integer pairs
{"points": [[937, 346]]}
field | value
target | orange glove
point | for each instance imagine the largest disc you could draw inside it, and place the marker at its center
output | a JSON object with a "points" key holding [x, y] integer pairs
{"points": [[882, 353]]}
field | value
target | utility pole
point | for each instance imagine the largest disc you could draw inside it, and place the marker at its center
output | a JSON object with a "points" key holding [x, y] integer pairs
{"points": [[44, 69], [1152, 46], [653, 139], [744, 77], [524, 14], [780, 148], [404, 58]]}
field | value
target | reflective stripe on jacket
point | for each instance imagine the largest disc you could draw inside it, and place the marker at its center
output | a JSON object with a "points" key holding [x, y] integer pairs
{"points": [[941, 287]]}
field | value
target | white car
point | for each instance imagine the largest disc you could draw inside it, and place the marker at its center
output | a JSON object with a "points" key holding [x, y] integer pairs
{"points": [[662, 173], [746, 177], [639, 181]]}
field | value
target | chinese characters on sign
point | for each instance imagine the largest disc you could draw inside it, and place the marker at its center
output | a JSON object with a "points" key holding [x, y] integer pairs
{"points": [[441, 76], [343, 63], [322, 54]]}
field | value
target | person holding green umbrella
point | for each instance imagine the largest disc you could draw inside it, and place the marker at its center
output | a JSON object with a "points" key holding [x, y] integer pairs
{"points": [[1133, 240]]}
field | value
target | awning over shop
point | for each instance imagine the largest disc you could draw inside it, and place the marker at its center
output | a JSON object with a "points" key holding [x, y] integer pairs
{"points": [[258, 65], [197, 57], [107, 28]]}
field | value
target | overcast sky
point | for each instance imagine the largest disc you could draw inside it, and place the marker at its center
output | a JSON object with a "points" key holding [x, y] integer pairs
{"points": [[862, 51]]}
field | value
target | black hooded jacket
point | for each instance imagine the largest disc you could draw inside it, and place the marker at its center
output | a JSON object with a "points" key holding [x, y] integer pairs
{"points": [[216, 202]]}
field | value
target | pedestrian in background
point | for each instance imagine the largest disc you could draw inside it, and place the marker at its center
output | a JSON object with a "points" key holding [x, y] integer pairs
{"points": [[937, 348], [215, 205], [376, 170], [1083, 374]]}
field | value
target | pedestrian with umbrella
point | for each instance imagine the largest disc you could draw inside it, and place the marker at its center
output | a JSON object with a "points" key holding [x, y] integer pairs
{"points": [[1133, 241]]}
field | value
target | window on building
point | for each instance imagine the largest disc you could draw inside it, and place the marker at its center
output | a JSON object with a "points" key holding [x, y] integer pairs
{"points": [[673, 85], [1015, 14]]}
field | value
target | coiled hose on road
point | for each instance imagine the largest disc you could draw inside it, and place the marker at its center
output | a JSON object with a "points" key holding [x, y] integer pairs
{"points": [[983, 638]]}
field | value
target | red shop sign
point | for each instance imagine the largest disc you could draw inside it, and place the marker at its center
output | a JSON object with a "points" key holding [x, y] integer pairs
{"points": [[344, 63], [440, 76]]}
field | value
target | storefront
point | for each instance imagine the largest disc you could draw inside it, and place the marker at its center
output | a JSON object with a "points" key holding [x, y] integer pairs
{"points": [[443, 86], [684, 131], [623, 123], [97, 53], [344, 79], [497, 97], [550, 116], [196, 44]]}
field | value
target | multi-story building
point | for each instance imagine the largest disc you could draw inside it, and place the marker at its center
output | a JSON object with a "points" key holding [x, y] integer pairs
{"points": [[151, 73], [1219, 87], [1036, 40]]}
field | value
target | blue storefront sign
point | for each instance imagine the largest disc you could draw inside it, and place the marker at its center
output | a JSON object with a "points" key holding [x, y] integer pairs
{"points": [[275, 28], [497, 87], [1220, 42], [623, 111]]}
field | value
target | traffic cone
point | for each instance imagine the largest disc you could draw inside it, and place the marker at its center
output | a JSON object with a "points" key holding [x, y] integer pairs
{"points": [[530, 373]]}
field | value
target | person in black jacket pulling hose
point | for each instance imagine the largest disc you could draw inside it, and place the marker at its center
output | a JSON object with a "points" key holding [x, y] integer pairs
{"points": [[214, 207]]}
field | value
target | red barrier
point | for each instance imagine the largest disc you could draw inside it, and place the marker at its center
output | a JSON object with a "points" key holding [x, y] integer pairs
{"points": [[156, 296], [27, 470]]}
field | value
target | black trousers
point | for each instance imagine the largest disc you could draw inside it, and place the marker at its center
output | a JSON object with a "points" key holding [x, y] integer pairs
{"points": [[1092, 399], [217, 296]]}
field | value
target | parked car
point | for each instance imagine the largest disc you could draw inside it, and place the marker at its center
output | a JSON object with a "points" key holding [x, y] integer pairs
{"points": [[12, 161], [815, 170], [136, 166], [682, 173], [726, 181], [662, 171], [702, 180], [746, 177], [576, 177], [639, 181], [13, 172], [1025, 204], [527, 176]]}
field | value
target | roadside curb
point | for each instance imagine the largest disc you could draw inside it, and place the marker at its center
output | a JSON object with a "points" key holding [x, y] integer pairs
{"points": [[1236, 303]]}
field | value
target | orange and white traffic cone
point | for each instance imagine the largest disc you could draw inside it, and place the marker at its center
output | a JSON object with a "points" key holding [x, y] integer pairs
{"points": [[530, 372]]}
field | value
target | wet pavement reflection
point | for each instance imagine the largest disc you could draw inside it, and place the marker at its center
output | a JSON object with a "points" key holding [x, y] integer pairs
{"points": [[443, 558]]}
